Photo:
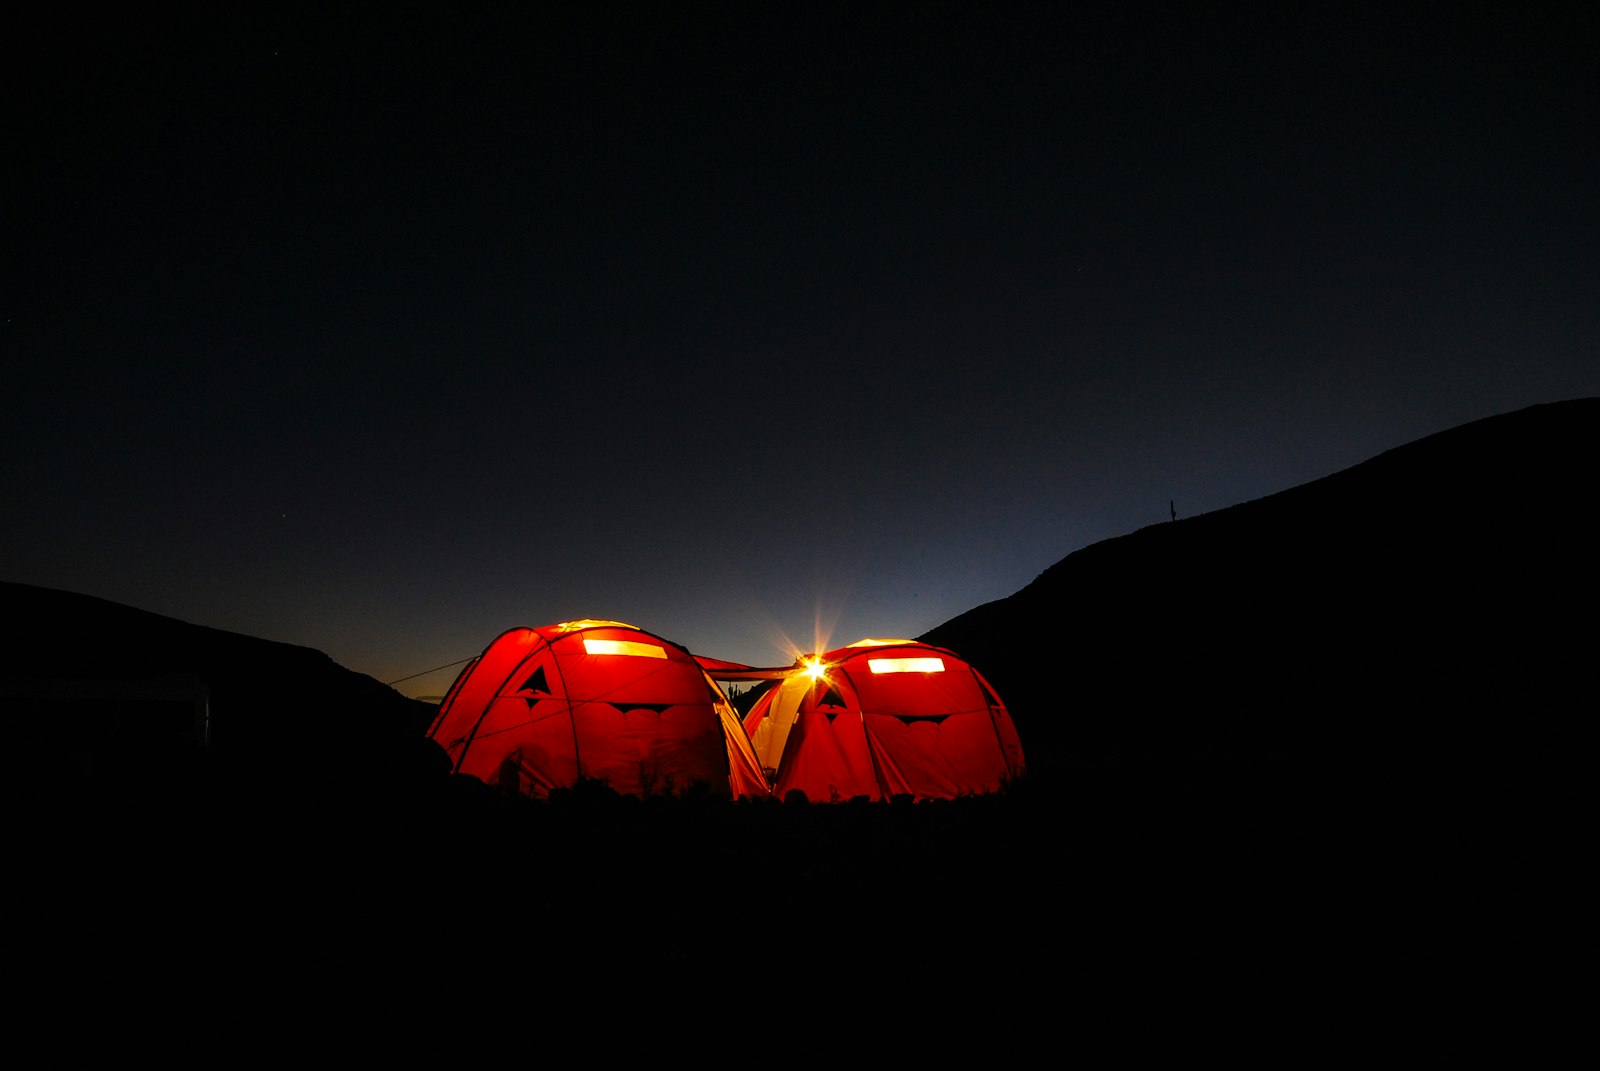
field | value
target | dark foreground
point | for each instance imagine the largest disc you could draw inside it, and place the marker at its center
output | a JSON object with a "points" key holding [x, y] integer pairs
{"points": [[1095, 856], [1214, 909]]}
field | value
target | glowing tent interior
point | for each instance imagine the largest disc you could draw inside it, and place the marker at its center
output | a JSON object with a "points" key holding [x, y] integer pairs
{"points": [[878, 719], [545, 708]]}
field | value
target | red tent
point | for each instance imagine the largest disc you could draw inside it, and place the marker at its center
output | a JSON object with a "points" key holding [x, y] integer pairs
{"points": [[878, 719], [544, 708]]}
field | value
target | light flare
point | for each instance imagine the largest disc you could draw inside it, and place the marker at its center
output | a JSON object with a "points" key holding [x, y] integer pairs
{"points": [[821, 635]]}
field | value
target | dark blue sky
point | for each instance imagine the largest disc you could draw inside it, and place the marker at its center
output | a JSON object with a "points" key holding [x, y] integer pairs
{"points": [[382, 331]]}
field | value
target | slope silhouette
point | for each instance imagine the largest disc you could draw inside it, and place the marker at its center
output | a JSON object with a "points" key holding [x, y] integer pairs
{"points": [[1420, 615], [285, 721]]}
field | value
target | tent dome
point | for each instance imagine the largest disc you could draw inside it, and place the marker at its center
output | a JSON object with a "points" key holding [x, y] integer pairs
{"points": [[884, 718], [545, 708]]}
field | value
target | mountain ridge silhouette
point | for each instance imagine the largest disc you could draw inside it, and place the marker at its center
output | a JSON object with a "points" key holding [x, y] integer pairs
{"points": [[282, 718], [1422, 607]]}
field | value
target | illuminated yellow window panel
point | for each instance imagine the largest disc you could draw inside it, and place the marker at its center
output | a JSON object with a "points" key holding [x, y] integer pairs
{"points": [[906, 665], [623, 647]]}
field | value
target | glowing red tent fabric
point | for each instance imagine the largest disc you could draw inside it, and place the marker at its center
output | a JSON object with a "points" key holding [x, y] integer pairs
{"points": [[884, 718], [543, 708]]}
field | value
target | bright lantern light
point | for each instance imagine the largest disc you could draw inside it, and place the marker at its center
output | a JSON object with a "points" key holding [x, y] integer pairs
{"points": [[906, 665], [623, 647], [815, 669]]}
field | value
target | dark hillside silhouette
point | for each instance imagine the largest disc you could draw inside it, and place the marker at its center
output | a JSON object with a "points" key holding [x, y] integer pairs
{"points": [[1427, 611], [283, 720]]}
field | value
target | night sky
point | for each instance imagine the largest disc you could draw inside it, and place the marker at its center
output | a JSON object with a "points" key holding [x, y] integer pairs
{"points": [[384, 330]]}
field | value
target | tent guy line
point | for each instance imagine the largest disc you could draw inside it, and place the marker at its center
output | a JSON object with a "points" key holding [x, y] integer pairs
{"points": [[435, 669], [717, 668]]}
